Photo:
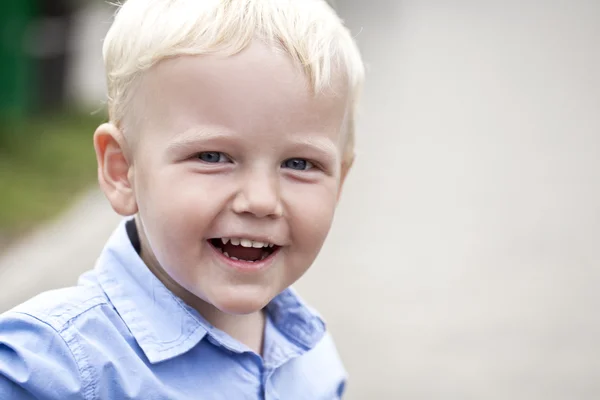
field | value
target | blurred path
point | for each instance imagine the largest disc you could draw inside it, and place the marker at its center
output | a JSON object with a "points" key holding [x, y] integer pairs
{"points": [[464, 263], [58, 253], [464, 259]]}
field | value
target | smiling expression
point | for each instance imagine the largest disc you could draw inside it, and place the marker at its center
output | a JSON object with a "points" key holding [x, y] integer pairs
{"points": [[236, 172]]}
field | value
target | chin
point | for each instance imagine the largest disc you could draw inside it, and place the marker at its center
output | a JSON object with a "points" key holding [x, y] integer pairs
{"points": [[241, 302]]}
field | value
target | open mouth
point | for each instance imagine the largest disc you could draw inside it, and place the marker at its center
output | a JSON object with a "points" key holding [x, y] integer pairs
{"points": [[243, 249]]}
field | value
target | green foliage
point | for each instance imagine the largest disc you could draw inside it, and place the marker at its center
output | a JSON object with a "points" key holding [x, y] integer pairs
{"points": [[44, 163]]}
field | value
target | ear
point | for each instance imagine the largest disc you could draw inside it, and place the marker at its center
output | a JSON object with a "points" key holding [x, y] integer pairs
{"points": [[346, 166], [114, 169]]}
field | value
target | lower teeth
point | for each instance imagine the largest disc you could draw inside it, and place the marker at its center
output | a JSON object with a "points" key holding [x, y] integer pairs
{"points": [[265, 254]]}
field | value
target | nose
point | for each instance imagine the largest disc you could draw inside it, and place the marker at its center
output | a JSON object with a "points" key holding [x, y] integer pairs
{"points": [[259, 195]]}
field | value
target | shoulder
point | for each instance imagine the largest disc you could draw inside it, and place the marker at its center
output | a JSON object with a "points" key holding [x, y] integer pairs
{"points": [[57, 308], [326, 360], [40, 356], [318, 370], [51, 346], [317, 374]]}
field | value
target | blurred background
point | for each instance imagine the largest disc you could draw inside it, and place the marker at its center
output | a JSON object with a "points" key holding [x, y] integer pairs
{"points": [[51, 82], [464, 259]]}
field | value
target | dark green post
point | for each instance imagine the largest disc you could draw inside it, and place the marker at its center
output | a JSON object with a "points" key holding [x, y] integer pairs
{"points": [[16, 87]]}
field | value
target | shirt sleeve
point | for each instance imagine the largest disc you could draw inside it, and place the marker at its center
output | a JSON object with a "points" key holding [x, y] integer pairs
{"points": [[36, 362]]}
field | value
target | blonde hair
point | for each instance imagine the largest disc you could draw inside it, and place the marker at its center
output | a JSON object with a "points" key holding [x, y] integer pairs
{"points": [[147, 31]]}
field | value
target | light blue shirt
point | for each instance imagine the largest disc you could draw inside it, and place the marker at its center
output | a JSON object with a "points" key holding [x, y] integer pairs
{"points": [[121, 334]]}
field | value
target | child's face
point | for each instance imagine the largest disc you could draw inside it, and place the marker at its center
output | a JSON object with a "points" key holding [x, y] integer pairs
{"points": [[237, 148]]}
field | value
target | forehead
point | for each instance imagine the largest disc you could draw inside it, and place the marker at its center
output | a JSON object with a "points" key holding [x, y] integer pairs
{"points": [[258, 90]]}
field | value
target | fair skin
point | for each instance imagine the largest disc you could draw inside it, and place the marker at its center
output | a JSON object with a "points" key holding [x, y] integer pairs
{"points": [[229, 147]]}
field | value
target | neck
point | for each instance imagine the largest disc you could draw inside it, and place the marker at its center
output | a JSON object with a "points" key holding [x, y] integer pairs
{"points": [[248, 329]]}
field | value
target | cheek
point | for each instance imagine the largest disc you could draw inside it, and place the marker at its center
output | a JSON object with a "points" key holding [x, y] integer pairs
{"points": [[177, 209], [177, 195], [311, 208]]}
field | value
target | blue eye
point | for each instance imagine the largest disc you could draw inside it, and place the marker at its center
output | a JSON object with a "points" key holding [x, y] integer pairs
{"points": [[298, 164], [213, 157]]}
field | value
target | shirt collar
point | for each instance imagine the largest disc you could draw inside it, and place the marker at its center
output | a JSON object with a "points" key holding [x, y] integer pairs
{"points": [[165, 327]]}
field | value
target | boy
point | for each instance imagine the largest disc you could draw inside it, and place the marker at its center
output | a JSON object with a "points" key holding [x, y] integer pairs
{"points": [[230, 137]]}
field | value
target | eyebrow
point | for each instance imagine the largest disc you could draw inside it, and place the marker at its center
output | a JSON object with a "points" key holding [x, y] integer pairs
{"points": [[323, 146], [190, 137]]}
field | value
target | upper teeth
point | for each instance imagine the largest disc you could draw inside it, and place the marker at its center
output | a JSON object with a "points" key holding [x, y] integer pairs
{"points": [[246, 243]]}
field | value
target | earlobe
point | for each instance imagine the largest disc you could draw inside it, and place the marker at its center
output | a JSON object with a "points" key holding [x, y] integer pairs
{"points": [[114, 169]]}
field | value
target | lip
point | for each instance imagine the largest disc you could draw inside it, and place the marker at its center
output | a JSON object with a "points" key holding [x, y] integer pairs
{"points": [[245, 266]]}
